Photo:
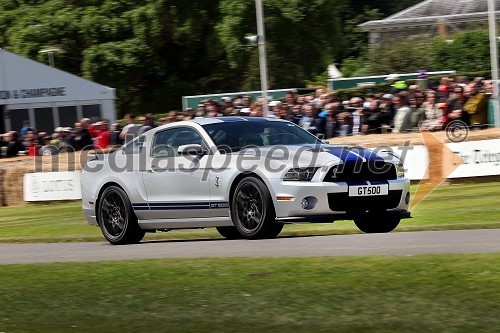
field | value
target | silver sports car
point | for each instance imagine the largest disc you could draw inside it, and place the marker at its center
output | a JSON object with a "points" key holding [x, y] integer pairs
{"points": [[245, 176]]}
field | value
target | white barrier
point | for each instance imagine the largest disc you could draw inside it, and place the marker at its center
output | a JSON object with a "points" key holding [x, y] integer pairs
{"points": [[52, 186], [415, 161], [480, 158]]}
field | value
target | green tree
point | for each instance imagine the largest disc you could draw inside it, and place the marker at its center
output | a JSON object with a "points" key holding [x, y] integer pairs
{"points": [[403, 57], [302, 39], [355, 41], [466, 52], [155, 51]]}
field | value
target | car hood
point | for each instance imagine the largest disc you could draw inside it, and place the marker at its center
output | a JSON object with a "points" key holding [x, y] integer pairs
{"points": [[309, 155]]}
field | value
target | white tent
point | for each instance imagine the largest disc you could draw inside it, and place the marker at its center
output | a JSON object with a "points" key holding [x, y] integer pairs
{"points": [[48, 97], [333, 72], [429, 18]]}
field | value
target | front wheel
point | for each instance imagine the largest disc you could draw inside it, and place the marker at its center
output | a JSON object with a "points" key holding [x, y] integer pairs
{"points": [[229, 232], [382, 224], [252, 210], [117, 220]]}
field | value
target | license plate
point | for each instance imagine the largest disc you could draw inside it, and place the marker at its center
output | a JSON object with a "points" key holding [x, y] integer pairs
{"points": [[368, 190]]}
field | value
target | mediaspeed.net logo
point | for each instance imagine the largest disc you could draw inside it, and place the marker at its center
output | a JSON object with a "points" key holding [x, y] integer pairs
{"points": [[442, 161]]}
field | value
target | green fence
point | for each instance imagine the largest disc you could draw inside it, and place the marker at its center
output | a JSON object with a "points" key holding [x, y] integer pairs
{"points": [[493, 114], [353, 82], [192, 101]]}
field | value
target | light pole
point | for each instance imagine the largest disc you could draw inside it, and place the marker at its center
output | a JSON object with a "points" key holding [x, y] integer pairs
{"points": [[494, 58], [261, 41], [50, 52]]}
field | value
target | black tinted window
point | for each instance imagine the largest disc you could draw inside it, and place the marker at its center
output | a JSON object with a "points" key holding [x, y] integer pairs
{"points": [[234, 136], [166, 143]]}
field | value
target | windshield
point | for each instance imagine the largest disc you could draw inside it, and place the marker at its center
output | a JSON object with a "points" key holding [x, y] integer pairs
{"points": [[233, 136]]}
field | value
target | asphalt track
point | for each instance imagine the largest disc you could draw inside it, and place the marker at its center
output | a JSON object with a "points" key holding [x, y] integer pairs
{"points": [[396, 243]]}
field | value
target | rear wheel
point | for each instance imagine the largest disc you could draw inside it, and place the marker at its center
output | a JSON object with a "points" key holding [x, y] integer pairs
{"points": [[371, 225], [117, 220], [252, 210]]}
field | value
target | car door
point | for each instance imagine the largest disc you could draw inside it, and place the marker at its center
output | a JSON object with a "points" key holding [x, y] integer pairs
{"points": [[127, 161], [176, 184]]}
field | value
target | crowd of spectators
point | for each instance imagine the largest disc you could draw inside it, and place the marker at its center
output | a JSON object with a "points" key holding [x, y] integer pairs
{"points": [[85, 135], [403, 109]]}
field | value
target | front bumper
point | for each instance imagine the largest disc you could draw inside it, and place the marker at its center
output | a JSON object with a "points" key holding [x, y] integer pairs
{"points": [[402, 214], [332, 201]]}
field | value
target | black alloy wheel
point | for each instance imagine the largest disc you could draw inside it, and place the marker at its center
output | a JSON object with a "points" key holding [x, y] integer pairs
{"points": [[229, 232], [117, 220], [252, 210]]}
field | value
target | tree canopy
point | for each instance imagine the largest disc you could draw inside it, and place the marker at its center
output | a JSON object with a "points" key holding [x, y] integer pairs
{"points": [[155, 51]]}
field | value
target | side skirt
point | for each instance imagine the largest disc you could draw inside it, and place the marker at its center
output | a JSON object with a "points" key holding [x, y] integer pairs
{"points": [[201, 222]]}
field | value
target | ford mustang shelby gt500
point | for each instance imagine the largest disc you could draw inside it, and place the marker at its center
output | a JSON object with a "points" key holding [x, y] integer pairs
{"points": [[246, 176]]}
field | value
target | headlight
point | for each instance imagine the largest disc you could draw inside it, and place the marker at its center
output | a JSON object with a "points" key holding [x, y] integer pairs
{"points": [[400, 170], [300, 174]]}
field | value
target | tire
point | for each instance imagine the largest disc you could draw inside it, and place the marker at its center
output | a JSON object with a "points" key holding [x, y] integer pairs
{"points": [[117, 220], [275, 230], [372, 225], [252, 210], [229, 232]]}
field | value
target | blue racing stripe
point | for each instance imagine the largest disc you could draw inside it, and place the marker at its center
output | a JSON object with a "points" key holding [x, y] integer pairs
{"points": [[232, 119], [344, 155], [354, 154], [179, 203], [367, 154], [179, 208], [141, 208]]}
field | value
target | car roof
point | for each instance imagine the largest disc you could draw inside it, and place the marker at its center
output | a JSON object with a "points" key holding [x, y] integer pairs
{"points": [[207, 121], [218, 120]]}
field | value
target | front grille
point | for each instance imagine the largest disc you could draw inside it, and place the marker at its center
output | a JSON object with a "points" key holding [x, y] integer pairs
{"points": [[343, 202], [367, 171]]}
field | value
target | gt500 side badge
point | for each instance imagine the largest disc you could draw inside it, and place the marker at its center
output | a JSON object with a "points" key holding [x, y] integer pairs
{"points": [[217, 181], [219, 205]]}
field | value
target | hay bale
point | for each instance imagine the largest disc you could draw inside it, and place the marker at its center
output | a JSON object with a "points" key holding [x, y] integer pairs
{"points": [[3, 199], [13, 185], [12, 172]]}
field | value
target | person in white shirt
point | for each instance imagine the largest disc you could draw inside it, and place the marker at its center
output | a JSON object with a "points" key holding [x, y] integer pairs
{"points": [[402, 119], [130, 131]]}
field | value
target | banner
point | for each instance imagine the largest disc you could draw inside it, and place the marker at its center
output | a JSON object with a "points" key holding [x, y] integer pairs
{"points": [[52, 186], [480, 158]]}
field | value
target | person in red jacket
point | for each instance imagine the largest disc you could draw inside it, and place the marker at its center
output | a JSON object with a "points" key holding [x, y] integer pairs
{"points": [[102, 140]]}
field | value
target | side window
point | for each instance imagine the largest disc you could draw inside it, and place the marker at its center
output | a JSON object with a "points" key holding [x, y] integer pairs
{"points": [[134, 147], [166, 143]]}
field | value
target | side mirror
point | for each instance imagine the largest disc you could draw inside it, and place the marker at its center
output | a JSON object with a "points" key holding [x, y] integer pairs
{"points": [[191, 149]]}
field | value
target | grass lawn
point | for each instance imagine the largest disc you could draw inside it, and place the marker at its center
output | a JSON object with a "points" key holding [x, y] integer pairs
{"points": [[441, 293], [469, 206]]}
